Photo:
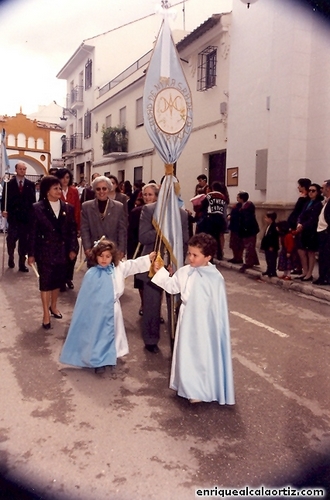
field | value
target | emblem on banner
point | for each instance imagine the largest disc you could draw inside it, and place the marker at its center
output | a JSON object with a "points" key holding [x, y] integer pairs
{"points": [[170, 110]]}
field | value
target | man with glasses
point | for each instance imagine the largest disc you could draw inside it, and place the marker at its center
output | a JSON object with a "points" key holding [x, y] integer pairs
{"points": [[323, 231], [103, 217]]}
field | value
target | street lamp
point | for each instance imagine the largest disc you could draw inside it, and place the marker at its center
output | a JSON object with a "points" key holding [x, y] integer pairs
{"points": [[248, 2], [73, 112]]}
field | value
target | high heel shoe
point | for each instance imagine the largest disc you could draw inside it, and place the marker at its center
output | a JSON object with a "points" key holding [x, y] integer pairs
{"points": [[46, 326], [307, 279], [57, 316]]}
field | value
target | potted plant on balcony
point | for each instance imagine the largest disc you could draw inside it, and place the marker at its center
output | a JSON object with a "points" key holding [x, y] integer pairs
{"points": [[114, 139]]}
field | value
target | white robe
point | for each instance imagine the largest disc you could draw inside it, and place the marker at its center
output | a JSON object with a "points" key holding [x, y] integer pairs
{"points": [[201, 364]]}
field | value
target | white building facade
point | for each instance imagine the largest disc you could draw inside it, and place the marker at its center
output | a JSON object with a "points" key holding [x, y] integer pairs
{"points": [[259, 79], [279, 99], [88, 72]]}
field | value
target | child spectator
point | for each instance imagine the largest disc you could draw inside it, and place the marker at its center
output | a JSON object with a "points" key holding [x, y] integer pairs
{"points": [[270, 244], [286, 259], [97, 334], [201, 364]]}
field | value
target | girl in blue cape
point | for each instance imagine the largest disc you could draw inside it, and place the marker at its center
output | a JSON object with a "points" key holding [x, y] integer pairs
{"points": [[97, 334], [201, 364]]}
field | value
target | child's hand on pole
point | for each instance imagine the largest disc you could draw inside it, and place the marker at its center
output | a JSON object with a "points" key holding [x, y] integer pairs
{"points": [[152, 256]]}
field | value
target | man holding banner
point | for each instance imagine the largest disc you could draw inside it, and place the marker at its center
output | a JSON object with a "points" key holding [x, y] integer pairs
{"points": [[167, 109], [152, 294]]}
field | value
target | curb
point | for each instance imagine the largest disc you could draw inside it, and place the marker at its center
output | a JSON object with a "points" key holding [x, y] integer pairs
{"points": [[322, 293]]}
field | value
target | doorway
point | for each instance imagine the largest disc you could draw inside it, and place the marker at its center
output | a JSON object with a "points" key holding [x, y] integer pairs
{"points": [[217, 167]]}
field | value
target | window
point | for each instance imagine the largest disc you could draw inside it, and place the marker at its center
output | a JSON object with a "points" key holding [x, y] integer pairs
{"points": [[88, 74], [139, 112], [207, 68], [108, 121], [137, 174], [87, 124], [122, 116]]}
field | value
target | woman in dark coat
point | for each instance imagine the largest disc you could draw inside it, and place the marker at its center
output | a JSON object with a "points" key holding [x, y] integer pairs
{"points": [[69, 195], [52, 240], [307, 231]]}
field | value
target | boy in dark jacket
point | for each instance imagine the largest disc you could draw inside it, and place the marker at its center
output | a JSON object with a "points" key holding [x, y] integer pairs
{"points": [[270, 244]]}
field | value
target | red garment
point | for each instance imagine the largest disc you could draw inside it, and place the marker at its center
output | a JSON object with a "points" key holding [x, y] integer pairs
{"points": [[288, 242], [72, 197]]}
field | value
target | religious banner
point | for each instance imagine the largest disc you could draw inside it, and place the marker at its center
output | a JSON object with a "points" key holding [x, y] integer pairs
{"points": [[167, 106], [4, 162]]}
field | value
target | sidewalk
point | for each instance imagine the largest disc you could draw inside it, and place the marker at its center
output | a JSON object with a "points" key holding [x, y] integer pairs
{"points": [[321, 292]]}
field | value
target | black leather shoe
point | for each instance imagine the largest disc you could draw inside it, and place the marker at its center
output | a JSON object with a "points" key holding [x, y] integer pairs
{"points": [[11, 263], [70, 285], [46, 326], [320, 282], [23, 269], [152, 348], [100, 369], [307, 279], [57, 316]]}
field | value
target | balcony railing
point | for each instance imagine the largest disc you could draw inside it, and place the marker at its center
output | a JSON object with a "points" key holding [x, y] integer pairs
{"points": [[72, 144], [76, 97], [125, 74]]}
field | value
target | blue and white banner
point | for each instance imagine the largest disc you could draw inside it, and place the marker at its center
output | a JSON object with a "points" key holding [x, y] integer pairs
{"points": [[167, 221], [168, 120], [167, 102], [4, 162]]}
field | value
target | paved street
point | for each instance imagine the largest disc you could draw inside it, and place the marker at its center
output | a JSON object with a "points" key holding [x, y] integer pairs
{"points": [[71, 434]]}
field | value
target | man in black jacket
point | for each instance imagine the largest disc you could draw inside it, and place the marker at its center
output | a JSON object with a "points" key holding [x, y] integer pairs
{"points": [[323, 232], [16, 204], [248, 230]]}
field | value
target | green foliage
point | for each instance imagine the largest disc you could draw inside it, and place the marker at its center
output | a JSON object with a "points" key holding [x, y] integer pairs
{"points": [[114, 140]]}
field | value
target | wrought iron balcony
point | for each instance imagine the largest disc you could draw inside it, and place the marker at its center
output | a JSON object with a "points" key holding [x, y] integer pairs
{"points": [[76, 97], [72, 145]]}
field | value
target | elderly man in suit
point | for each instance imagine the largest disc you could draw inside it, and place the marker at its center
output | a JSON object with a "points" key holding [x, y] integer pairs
{"points": [[103, 217], [323, 232], [17, 199], [152, 294]]}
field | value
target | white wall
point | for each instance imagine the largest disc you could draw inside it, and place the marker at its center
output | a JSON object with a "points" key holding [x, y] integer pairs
{"points": [[277, 50], [209, 126]]}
